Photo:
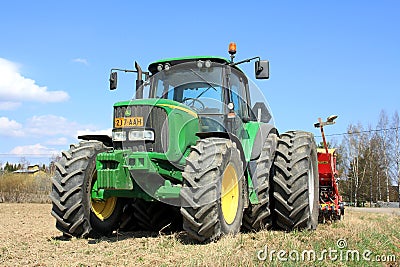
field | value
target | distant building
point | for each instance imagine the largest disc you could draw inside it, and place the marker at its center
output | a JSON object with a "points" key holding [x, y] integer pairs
{"points": [[32, 170]]}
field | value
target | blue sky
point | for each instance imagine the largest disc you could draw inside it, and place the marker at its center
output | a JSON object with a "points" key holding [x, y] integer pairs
{"points": [[326, 57]]}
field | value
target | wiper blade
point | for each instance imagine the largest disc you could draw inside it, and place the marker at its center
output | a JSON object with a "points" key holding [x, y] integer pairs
{"points": [[201, 77]]}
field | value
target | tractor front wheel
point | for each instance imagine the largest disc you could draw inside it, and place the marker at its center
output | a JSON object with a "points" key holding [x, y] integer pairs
{"points": [[212, 196], [76, 213]]}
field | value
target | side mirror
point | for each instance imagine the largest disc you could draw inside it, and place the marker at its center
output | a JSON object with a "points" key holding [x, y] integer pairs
{"points": [[262, 69], [113, 80]]}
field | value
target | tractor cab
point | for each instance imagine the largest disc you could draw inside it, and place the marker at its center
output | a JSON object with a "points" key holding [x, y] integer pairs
{"points": [[210, 87]]}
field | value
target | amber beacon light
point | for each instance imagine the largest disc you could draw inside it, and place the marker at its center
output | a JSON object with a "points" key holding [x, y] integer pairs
{"points": [[232, 48]]}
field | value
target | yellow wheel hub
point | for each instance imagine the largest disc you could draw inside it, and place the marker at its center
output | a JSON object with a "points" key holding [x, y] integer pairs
{"points": [[104, 209], [230, 194]]}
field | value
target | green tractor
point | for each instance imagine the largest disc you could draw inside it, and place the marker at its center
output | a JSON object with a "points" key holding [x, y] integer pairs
{"points": [[189, 150]]}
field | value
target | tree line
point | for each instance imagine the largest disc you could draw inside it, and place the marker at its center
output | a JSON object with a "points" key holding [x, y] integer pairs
{"points": [[369, 161], [22, 164]]}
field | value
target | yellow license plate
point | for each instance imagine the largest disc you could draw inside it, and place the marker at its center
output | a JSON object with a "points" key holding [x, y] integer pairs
{"points": [[128, 122]]}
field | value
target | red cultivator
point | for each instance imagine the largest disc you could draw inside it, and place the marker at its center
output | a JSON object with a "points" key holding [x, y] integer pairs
{"points": [[331, 205]]}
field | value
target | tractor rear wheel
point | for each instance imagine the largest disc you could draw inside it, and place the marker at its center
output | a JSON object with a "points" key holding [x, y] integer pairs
{"points": [[295, 182], [76, 213], [212, 196], [257, 217]]}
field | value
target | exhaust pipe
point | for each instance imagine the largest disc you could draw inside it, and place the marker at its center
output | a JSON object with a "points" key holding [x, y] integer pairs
{"points": [[139, 82]]}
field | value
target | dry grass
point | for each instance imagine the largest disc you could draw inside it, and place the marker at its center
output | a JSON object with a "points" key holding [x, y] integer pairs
{"points": [[28, 237], [22, 188]]}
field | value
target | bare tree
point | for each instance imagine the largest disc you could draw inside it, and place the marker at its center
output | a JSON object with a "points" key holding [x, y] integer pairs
{"points": [[361, 164], [383, 124], [352, 142], [396, 150], [369, 161], [24, 162]]}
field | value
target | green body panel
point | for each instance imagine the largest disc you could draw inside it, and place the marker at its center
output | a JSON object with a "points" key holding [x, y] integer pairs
{"points": [[125, 162], [247, 143], [137, 192], [111, 170], [253, 198], [149, 101], [116, 169], [168, 191]]}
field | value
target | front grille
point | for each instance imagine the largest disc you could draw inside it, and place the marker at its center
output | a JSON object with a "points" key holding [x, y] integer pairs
{"points": [[154, 118]]}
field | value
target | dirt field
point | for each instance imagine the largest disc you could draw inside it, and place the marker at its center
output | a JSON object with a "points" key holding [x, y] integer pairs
{"points": [[28, 238], [394, 211]]}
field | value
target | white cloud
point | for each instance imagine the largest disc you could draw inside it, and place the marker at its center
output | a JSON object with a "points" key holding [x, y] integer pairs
{"points": [[9, 105], [16, 88], [51, 125], [61, 141], [10, 127], [36, 149], [48, 125], [96, 132], [81, 60]]}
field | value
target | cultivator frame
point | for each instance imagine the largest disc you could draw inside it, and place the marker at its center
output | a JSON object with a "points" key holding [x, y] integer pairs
{"points": [[331, 207]]}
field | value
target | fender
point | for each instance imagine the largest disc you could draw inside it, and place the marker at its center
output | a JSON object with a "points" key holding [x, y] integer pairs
{"points": [[105, 139], [263, 131], [225, 135]]}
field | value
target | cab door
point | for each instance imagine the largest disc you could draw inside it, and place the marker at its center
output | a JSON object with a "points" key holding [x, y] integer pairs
{"points": [[237, 102]]}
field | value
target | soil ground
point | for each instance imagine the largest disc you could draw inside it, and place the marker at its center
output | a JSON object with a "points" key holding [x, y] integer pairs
{"points": [[395, 211], [28, 237]]}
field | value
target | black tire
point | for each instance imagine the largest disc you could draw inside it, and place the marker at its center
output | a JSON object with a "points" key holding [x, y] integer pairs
{"points": [[128, 222], [156, 216], [295, 182], [71, 193], [208, 212], [257, 217]]}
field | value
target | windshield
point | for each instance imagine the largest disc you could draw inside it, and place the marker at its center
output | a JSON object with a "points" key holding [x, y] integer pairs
{"points": [[198, 88]]}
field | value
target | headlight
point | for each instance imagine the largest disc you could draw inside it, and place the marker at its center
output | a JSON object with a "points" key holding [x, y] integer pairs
{"points": [[136, 135], [119, 136]]}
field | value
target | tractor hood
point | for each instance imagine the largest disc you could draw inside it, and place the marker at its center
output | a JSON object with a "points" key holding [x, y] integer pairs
{"points": [[160, 126]]}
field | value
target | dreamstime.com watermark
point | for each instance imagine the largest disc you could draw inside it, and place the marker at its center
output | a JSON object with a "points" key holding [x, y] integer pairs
{"points": [[340, 253]]}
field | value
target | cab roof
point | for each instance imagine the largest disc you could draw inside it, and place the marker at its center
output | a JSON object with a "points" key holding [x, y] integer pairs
{"points": [[175, 61]]}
